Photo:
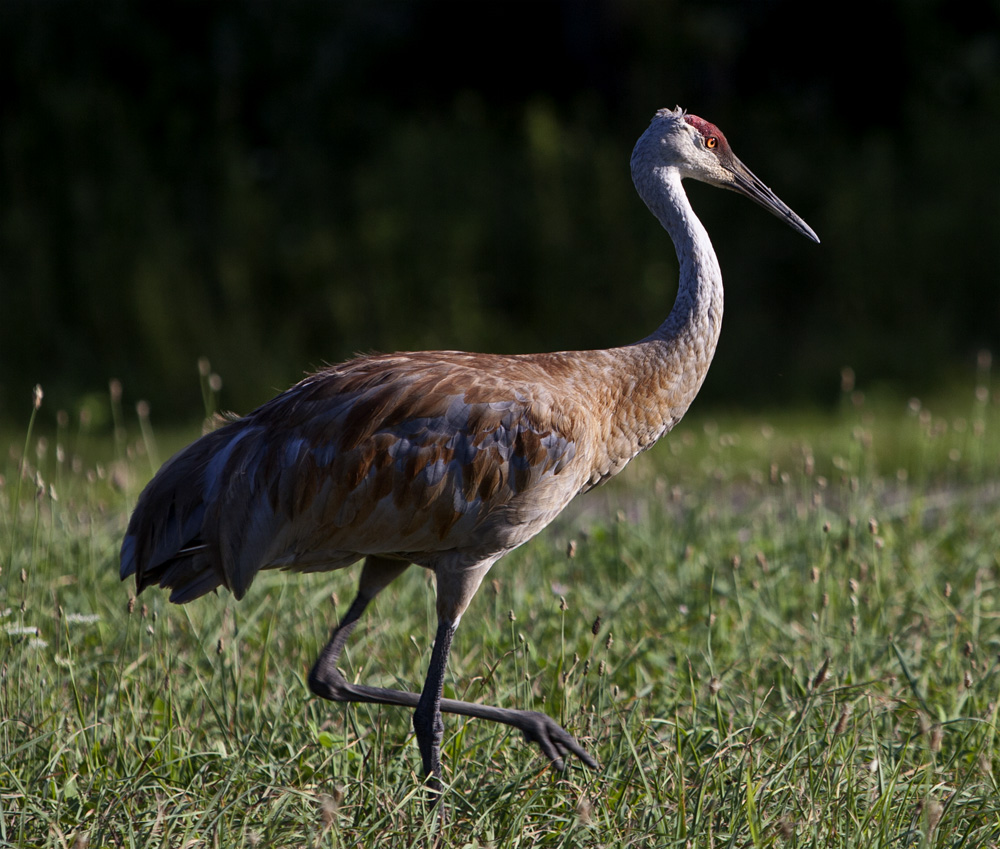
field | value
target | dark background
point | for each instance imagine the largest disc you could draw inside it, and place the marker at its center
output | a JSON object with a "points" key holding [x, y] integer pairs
{"points": [[279, 185]]}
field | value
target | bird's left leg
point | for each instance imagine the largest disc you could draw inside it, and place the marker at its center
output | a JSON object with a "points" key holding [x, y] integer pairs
{"points": [[325, 680]]}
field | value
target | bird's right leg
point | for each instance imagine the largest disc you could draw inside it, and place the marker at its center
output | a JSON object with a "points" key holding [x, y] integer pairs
{"points": [[325, 680]]}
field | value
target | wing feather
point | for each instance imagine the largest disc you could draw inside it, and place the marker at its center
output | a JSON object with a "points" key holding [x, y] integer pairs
{"points": [[401, 455]]}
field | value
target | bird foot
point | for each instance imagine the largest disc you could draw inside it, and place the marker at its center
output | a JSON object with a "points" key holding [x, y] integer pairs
{"points": [[554, 740], [329, 683]]}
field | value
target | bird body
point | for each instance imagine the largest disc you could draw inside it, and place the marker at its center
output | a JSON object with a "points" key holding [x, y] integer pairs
{"points": [[445, 459], [412, 456]]}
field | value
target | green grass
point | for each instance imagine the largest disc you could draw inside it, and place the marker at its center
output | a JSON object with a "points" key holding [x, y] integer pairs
{"points": [[779, 632]]}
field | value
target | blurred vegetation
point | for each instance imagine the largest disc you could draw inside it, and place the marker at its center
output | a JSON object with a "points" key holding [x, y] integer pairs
{"points": [[272, 186]]}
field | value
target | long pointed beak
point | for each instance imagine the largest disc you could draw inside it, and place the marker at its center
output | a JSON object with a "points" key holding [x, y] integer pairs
{"points": [[746, 183]]}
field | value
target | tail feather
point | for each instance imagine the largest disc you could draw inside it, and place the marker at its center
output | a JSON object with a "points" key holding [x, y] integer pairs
{"points": [[189, 575], [181, 569], [168, 541], [203, 583], [128, 562], [179, 533]]}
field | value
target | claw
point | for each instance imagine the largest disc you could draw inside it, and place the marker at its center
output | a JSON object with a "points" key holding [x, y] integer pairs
{"points": [[554, 741]]}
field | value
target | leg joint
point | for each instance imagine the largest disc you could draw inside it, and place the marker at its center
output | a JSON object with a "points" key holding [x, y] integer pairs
{"points": [[327, 682]]}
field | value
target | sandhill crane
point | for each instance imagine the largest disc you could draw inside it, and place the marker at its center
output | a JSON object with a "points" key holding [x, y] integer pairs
{"points": [[444, 459]]}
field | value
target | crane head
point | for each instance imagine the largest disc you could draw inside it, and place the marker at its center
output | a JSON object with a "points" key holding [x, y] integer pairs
{"points": [[699, 150]]}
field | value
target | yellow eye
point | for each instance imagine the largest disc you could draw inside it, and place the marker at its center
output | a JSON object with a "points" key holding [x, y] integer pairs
{"points": [[711, 142]]}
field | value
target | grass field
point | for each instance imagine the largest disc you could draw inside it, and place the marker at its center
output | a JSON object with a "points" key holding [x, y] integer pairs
{"points": [[777, 631]]}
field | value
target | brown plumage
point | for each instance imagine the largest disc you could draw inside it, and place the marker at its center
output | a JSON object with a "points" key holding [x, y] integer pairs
{"points": [[444, 459]]}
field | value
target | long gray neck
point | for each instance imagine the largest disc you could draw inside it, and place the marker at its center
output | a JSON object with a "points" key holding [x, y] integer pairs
{"points": [[654, 381], [697, 311], [660, 375]]}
